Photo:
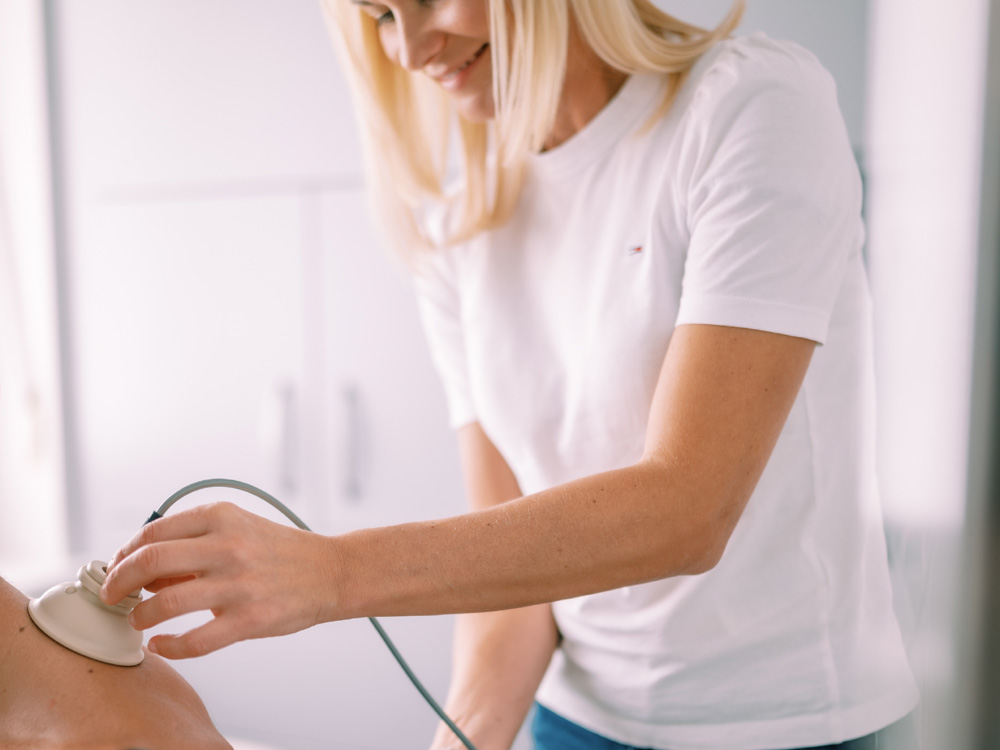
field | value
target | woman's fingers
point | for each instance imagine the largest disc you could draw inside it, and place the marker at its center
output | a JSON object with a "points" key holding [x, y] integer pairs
{"points": [[156, 565], [156, 586], [213, 635], [150, 559], [257, 578], [186, 524], [184, 598]]}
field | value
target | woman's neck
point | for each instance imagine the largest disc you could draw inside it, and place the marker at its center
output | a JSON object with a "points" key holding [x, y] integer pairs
{"points": [[589, 85]]}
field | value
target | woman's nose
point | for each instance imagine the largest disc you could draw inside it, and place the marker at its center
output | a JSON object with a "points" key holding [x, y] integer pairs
{"points": [[417, 42]]}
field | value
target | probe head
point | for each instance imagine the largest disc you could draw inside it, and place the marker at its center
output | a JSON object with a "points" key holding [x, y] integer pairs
{"points": [[72, 615]]}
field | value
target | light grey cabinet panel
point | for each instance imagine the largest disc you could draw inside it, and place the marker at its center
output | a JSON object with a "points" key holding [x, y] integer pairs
{"points": [[395, 456], [189, 341]]}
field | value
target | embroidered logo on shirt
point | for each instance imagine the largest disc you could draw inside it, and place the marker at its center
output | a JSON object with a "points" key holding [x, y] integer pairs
{"points": [[634, 250]]}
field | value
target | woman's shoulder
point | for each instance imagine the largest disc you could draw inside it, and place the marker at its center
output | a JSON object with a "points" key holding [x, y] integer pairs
{"points": [[757, 81], [759, 56], [753, 63]]}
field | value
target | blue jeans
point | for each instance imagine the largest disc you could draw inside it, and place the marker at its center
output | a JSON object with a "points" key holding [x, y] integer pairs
{"points": [[552, 732]]}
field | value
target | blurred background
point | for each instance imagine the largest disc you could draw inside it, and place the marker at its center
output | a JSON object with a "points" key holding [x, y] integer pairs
{"points": [[191, 287]]}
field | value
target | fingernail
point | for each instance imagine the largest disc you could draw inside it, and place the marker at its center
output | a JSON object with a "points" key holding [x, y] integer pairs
{"points": [[152, 648], [131, 619]]}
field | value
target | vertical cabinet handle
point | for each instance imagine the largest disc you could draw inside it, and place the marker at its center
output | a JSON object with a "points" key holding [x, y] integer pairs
{"points": [[352, 444], [278, 431]]}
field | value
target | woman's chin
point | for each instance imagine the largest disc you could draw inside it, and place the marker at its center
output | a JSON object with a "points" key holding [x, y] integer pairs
{"points": [[475, 108]]}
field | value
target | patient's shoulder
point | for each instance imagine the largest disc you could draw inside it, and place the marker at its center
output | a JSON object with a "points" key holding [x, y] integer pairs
{"points": [[51, 697]]}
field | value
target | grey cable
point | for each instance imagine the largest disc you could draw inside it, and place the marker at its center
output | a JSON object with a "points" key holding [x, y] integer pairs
{"points": [[281, 507]]}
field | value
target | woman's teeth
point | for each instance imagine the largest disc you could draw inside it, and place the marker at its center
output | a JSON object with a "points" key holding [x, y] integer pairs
{"points": [[465, 65]]}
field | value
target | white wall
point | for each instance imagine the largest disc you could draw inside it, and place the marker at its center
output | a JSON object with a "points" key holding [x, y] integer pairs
{"points": [[925, 121], [925, 149]]}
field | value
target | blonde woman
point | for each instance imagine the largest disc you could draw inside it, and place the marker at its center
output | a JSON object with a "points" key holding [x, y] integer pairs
{"points": [[638, 253]]}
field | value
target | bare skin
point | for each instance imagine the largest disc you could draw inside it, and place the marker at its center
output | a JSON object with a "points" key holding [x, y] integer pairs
{"points": [[53, 698]]}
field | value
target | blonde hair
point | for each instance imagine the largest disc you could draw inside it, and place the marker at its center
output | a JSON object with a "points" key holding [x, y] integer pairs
{"points": [[407, 121]]}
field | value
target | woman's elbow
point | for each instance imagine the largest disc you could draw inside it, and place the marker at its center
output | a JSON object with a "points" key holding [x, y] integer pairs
{"points": [[706, 543], [709, 555], [700, 519]]}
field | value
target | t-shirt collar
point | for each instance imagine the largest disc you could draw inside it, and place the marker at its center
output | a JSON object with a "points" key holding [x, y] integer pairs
{"points": [[637, 98]]}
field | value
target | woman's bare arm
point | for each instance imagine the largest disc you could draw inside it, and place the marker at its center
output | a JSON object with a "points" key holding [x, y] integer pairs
{"points": [[721, 401]]}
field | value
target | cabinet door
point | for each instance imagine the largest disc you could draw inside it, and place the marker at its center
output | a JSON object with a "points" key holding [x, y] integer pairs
{"points": [[233, 315], [188, 324], [397, 458]]}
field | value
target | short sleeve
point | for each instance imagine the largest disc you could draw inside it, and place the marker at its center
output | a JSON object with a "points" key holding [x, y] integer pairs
{"points": [[773, 194], [439, 303]]}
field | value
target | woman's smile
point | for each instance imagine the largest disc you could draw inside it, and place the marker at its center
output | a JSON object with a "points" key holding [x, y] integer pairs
{"points": [[455, 79], [445, 40]]}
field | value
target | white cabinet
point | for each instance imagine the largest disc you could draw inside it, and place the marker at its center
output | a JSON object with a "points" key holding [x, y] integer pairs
{"points": [[198, 323], [233, 314]]}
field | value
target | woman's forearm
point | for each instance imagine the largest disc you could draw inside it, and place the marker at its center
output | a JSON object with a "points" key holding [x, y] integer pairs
{"points": [[722, 399], [601, 532]]}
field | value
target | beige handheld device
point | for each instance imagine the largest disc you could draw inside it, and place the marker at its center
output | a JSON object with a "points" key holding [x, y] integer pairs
{"points": [[72, 615]]}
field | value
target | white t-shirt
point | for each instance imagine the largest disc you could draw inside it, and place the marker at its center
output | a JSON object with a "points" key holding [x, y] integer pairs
{"points": [[739, 208]]}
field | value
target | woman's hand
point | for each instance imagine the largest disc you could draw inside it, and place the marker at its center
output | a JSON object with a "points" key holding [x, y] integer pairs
{"points": [[258, 578]]}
